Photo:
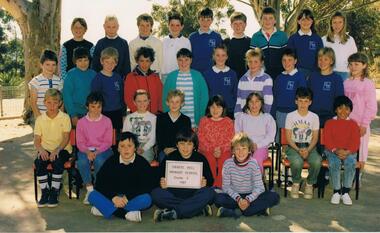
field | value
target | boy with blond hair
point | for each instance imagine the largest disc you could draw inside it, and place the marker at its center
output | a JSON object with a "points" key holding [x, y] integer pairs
{"points": [[112, 39]]}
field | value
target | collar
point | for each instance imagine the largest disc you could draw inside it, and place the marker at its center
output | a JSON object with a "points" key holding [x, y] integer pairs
{"points": [[121, 161], [244, 163], [261, 73], [217, 70], [336, 118], [201, 32], [44, 115], [97, 119], [293, 72], [265, 34], [171, 37], [143, 37], [112, 38], [142, 73], [301, 33], [172, 118], [239, 37]]}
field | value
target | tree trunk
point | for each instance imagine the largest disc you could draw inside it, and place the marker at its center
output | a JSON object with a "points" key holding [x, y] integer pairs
{"points": [[40, 24]]}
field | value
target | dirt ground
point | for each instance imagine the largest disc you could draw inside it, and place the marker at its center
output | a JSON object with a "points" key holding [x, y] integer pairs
{"points": [[18, 210]]}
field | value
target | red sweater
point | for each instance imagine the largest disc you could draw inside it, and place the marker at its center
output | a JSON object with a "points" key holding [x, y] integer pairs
{"points": [[342, 134], [150, 82]]}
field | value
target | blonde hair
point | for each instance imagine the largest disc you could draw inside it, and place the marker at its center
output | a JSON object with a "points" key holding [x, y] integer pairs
{"points": [[175, 93], [141, 92], [342, 34], [256, 52], [111, 18], [241, 139], [109, 52], [329, 52], [53, 93]]}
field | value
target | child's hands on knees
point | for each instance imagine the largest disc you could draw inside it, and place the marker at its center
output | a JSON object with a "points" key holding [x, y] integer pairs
{"points": [[243, 204], [304, 153], [120, 202], [54, 154], [90, 155], [163, 183], [203, 182], [217, 152], [43, 154]]}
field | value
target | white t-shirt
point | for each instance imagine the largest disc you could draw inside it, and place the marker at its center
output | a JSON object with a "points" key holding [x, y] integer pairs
{"points": [[302, 126], [342, 52], [170, 48]]}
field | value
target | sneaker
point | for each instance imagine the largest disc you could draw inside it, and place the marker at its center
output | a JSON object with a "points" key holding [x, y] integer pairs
{"points": [[346, 199], [43, 202], [133, 216], [294, 191], [85, 200], [335, 199], [53, 197], [308, 194], [165, 214], [207, 211], [225, 212], [95, 211]]}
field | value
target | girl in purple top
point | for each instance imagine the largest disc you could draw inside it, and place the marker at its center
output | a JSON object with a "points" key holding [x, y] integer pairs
{"points": [[94, 139], [259, 126]]}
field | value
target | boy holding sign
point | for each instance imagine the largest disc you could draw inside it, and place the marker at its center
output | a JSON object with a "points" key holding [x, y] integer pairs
{"points": [[184, 202]]}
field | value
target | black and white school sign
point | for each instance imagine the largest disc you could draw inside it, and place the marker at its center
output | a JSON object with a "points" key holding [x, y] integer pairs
{"points": [[180, 174]]}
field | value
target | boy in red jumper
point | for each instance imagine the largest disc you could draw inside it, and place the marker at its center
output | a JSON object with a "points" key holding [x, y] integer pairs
{"points": [[342, 141]]}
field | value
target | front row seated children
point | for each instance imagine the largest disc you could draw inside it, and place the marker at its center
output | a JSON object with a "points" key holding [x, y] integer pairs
{"points": [[342, 140], [259, 126], [192, 83], [94, 140], [243, 188], [123, 183], [302, 128], [142, 77], [143, 124], [170, 123], [51, 139], [184, 202]]}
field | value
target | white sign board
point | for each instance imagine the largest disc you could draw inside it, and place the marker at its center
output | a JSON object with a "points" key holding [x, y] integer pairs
{"points": [[181, 174]]}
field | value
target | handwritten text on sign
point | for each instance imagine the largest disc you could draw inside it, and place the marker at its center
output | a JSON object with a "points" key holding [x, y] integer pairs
{"points": [[183, 174]]}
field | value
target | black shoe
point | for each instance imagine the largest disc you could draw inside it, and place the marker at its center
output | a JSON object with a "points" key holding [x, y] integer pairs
{"points": [[53, 198], [44, 198], [207, 211], [165, 214], [225, 212], [265, 212]]}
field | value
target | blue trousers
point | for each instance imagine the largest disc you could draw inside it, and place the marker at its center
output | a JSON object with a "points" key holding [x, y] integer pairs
{"points": [[107, 208], [265, 200], [185, 207], [84, 165], [334, 168]]}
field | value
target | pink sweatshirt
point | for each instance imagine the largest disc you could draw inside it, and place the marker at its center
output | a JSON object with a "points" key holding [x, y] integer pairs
{"points": [[96, 134], [363, 96]]}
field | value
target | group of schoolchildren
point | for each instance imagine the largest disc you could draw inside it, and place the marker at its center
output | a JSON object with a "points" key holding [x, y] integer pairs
{"points": [[195, 100]]}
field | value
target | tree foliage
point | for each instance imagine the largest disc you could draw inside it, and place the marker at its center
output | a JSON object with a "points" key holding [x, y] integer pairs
{"points": [[189, 9]]}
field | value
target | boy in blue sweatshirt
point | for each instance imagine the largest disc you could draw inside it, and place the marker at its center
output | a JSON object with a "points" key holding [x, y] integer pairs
{"points": [[204, 41], [326, 85], [271, 41], [284, 88], [221, 80], [77, 85]]}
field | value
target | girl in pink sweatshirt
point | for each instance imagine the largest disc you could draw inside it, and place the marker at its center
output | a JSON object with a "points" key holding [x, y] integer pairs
{"points": [[362, 93], [94, 140]]}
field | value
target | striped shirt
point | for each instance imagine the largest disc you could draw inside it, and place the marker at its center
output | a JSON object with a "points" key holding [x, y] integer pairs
{"points": [[41, 84], [185, 84], [242, 179], [262, 84]]}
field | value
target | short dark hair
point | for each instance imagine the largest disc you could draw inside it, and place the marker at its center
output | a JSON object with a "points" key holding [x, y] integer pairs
{"points": [[290, 52], [146, 52], [219, 101], [174, 15], [145, 17], [81, 52], [95, 97], [249, 97], [131, 136], [48, 55], [184, 52], [81, 21], [306, 13], [304, 92], [342, 100], [269, 11], [187, 136], [206, 12]]}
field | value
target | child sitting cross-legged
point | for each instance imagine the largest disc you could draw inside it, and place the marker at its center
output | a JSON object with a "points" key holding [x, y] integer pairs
{"points": [[243, 188]]}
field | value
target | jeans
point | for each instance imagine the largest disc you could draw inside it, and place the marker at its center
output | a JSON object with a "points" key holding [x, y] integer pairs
{"points": [[84, 165], [296, 165], [334, 167]]}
